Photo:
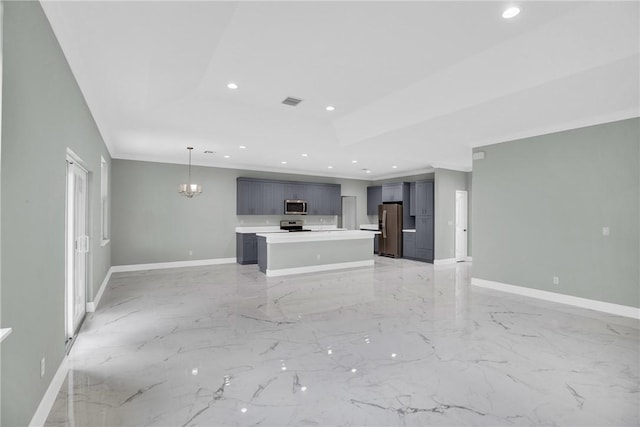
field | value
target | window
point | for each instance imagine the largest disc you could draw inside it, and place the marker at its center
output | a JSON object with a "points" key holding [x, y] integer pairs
{"points": [[104, 200]]}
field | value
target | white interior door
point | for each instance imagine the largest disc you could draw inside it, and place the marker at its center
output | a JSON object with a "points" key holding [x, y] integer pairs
{"points": [[77, 247], [461, 225]]}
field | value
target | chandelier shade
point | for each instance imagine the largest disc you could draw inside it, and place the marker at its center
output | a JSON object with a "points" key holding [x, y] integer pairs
{"points": [[190, 190]]}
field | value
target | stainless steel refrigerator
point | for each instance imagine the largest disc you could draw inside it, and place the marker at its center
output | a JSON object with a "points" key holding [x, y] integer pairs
{"points": [[390, 226]]}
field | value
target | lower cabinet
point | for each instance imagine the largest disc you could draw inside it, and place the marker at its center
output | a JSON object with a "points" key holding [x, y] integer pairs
{"points": [[409, 245], [424, 238], [419, 244], [246, 248]]}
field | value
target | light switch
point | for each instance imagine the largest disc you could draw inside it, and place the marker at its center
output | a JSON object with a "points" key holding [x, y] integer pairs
{"points": [[605, 231]]}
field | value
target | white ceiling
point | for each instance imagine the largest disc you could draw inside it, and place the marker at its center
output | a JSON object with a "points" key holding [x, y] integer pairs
{"points": [[414, 84]]}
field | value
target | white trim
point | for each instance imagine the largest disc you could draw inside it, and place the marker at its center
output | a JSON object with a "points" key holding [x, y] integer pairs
{"points": [[316, 268], [50, 395], [4, 333], [92, 306], [445, 261], [176, 264], [74, 158], [469, 259], [606, 307]]}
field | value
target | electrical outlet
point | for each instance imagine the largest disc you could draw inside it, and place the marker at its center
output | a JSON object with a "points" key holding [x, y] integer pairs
{"points": [[318, 257], [190, 252], [605, 231], [556, 280], [42, 367]]}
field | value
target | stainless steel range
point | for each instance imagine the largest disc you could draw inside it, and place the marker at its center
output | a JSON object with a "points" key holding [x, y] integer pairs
{"points": [[293, 225]]}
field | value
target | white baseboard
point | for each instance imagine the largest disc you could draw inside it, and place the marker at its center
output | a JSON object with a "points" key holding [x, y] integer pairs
{"points": [[445, 261], [50, 395], [92, 306], [606, 307], [176, 264], [316, 268]]}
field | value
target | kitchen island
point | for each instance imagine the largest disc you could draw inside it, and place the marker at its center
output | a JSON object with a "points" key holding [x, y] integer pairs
{"points": [[281, 254]]}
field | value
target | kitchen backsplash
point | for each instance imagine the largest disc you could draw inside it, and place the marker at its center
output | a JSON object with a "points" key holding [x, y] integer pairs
{"points": [[249, 220]]}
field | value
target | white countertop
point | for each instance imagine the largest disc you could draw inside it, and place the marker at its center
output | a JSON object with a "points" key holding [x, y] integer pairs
{"points": [[409, 230], [276, 228], [316, 236]]}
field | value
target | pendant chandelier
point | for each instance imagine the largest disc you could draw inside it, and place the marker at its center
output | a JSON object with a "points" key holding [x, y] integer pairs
{"points": [[189, 190]]}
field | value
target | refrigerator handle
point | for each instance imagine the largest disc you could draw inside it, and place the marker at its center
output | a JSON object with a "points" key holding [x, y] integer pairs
{"points": [[384, 224]]}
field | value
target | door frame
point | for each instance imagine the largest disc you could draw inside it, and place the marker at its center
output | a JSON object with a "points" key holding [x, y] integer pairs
{"points": [[465, 212], [70, 327]]}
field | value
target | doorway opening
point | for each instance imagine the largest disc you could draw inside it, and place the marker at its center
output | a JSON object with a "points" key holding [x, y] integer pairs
{"points": [[461, 250], [349, 214], [76, 248]]}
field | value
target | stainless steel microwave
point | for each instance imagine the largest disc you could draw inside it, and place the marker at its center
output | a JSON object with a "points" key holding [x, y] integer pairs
{"points": [[295, 207]]}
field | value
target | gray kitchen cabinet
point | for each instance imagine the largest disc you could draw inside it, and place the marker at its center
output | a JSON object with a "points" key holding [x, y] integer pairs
{"points": [[272, 198], [424, 238], [249, 198], [374, 198], [296, 191], [409, 245], [246, 248], [424, 198], [333, 199], [412, 199], [324, 199], [266, 197], [393, 192]]}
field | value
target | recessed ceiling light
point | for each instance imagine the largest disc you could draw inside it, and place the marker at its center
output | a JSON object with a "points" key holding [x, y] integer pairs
{"points": [[329, 167], [304, 155], [232, 85], [330, 108], [242, 147], [354, 161], [510, 12], [227, 156], [283, 162], [368, 171], [394, 167]]}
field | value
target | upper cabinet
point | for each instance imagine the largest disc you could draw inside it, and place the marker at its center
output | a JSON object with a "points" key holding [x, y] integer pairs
{"points": [[266, 197], [393, 192], [374, 198], [424, 198]]}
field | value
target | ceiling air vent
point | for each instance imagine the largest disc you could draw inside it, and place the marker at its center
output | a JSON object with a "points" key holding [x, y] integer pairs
{"points": [[292, 101]]}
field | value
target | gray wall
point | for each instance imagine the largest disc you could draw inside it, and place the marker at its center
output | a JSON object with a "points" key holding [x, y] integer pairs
{"points": [[153, 223], [539, 206], [43, 113], [446, 183]]}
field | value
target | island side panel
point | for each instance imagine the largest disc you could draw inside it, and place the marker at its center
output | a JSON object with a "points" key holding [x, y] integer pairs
{"points": [[313, 253], [262, 253]]}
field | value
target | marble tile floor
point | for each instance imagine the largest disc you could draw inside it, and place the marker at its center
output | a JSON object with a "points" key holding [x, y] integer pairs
{"points": [[399, 344]]}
